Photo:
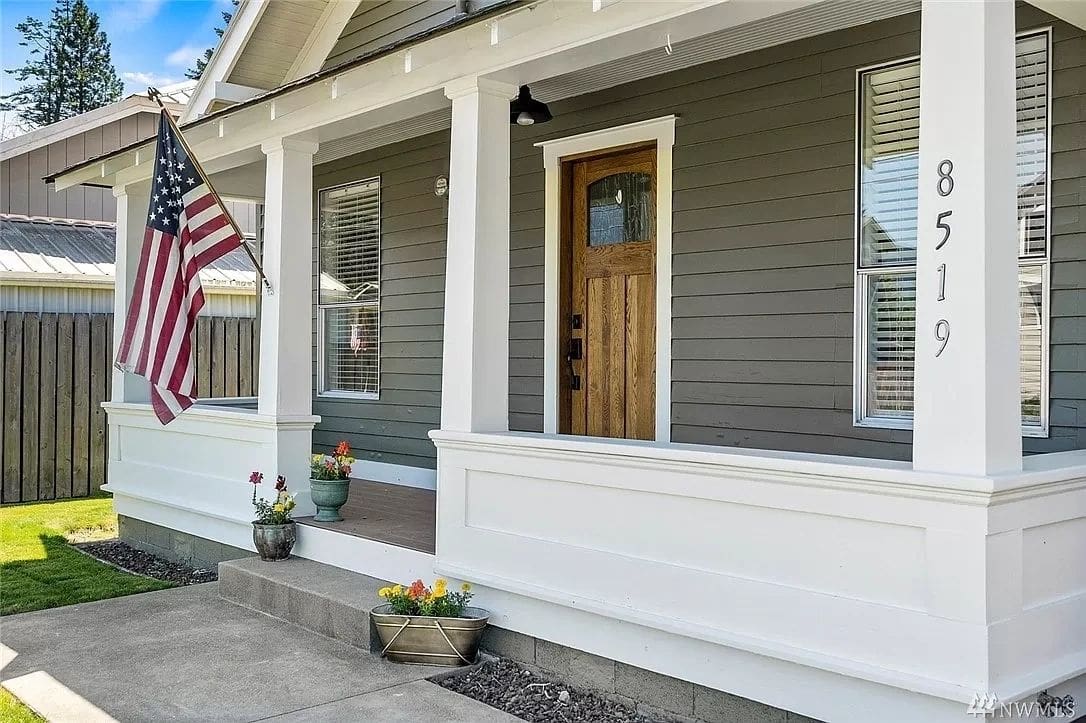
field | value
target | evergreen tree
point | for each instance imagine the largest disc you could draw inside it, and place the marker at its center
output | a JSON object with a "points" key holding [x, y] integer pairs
{"points": [[201, 62], [69, 70]]}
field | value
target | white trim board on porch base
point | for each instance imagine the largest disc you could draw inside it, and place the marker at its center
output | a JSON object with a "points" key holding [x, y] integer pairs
{"points": [[394, 474], [824, 694]]}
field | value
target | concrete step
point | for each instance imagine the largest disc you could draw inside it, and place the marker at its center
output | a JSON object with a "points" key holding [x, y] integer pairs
{"points": [[325, 599]]}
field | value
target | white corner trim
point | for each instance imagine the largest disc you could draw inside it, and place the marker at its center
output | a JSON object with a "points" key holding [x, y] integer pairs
{"points": [[662, 131], [396, 474]]}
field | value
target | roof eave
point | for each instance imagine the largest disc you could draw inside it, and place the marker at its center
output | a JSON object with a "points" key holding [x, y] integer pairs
{"points": [[455, 23]]}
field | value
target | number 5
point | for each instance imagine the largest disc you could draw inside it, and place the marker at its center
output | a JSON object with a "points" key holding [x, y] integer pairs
{"points": [[945, 227]]}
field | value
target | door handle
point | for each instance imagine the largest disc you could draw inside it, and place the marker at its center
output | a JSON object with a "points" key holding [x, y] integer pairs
{"points": [[575, 352]]}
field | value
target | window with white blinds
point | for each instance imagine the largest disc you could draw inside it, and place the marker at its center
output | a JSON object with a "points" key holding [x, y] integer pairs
{"points": [[349, 296], [888, 151]]}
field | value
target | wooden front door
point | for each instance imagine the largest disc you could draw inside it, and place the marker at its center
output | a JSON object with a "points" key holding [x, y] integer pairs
{"points": [[611, 342]]}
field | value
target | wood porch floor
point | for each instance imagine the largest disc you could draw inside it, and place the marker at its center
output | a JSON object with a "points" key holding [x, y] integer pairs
{"points": [[398, 515]]}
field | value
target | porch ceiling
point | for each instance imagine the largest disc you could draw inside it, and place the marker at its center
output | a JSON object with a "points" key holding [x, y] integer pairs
{"points": [[562, 48], [800, 22]]}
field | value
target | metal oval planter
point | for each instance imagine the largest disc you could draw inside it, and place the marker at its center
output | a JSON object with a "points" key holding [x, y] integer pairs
{"points": [[424, 640]]}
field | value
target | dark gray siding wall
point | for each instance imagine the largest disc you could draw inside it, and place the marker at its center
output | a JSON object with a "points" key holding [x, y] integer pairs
{"points": [[1068, 335], [763, 244], [22, 190], [377, 23], [763, 241], [394, 428]]}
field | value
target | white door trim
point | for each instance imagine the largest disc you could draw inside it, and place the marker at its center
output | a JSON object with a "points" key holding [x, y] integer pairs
{"points": [[662, 131]]}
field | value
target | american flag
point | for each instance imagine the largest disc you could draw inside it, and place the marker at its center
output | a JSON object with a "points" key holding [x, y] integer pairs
{"points": [[187, 229]]}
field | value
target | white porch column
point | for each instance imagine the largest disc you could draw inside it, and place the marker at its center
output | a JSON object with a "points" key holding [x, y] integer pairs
{"points": [[132, 203], [286, 314], [475, 358], [967, 417], [285, 386]]}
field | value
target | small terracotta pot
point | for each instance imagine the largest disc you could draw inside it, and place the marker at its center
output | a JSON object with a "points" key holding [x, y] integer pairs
{"points": [[274, 542]]}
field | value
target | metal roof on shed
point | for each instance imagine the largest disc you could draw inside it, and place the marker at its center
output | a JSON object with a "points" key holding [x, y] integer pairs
{"points": [[83, 251]]}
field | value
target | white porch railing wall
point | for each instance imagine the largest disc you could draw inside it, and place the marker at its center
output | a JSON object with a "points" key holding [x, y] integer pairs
{"points": [[941, 585], [192, 475], [846, 589]]}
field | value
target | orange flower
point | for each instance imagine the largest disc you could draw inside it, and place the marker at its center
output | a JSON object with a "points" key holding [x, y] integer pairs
{"points": [[343, 449], [417, 589]]}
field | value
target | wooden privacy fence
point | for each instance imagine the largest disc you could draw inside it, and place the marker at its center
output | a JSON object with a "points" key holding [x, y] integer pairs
{"points": [[55, 372]]}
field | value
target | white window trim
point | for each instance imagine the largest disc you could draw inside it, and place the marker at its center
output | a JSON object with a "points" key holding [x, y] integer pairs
{"points": [[322, 392], [861, 274], [662, 132]]}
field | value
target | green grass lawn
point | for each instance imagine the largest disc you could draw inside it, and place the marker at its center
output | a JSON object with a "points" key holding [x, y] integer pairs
{"points": [[38, 568], [12, 711]]}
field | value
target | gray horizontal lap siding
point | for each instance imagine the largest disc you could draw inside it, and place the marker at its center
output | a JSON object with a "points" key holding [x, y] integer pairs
{"points": [[377, 23], [763, 241], [394, 428], [763, 253]]}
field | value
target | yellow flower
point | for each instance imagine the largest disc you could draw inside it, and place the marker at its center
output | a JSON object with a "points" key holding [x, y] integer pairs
{"points": [[439, 592], [278, 507], [440, 582], [465, 587], [397, 590], [384, 592]]}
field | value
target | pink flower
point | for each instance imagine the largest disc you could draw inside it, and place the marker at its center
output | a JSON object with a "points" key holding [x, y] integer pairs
{"points": [[256, 478], [280, 483]]}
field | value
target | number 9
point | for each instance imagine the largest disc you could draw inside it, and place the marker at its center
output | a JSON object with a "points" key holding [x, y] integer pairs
{"points": [[942, 335]]}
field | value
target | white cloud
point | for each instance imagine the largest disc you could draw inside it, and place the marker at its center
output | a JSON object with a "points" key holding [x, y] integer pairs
{"points": [[185, 56], [138, 81], [133, 13]]}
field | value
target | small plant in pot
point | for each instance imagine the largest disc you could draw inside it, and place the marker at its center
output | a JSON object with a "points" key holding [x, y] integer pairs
{"points": [[330, 482], [273, 530], [429, 626]]}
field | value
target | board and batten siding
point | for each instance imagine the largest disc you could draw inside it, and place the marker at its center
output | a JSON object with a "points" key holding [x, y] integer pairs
{"points": [[377, 23], [764, 167], [22, 190], [393, 428]]}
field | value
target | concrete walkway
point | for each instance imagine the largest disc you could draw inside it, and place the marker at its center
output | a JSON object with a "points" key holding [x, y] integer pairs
{"points": [[187, 655]]}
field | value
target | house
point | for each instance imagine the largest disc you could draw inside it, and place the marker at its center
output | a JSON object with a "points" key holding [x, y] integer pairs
{"points": [[57, 299], [716, 374], [56, 249]]}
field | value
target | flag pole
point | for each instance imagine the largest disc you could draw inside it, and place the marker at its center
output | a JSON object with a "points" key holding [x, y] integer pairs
{"points": [[156, 96]]}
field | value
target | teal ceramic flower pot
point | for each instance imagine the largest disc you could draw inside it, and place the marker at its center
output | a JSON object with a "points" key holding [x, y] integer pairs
{"points": [[329, 495]]}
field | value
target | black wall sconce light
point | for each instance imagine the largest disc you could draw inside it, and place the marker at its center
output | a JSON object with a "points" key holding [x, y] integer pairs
{"points": [[526, 110]]}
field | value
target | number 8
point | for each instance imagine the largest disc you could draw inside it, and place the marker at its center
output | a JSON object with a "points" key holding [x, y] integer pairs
{"points": [[945, 184]]}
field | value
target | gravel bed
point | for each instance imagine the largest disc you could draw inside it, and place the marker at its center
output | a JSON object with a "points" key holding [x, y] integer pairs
{"points": [[122, 555], [512, 688]]}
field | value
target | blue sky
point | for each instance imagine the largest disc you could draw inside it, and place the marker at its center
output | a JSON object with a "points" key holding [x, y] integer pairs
{"points": [[154, 41]]}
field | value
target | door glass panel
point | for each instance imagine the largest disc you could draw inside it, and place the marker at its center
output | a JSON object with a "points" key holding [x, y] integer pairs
{"points": [[621, 209]]}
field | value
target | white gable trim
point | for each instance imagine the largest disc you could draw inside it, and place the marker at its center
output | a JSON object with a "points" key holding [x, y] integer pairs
{"points": [[222, 62], [322, 39]]}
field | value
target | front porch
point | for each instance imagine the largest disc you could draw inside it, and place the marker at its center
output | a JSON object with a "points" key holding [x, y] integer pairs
{"points": [[903, 561], [393, 514]]}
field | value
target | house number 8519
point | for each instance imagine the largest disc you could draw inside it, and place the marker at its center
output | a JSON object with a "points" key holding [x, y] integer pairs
{"points": [[944, 186]]}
